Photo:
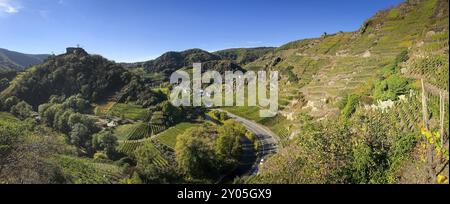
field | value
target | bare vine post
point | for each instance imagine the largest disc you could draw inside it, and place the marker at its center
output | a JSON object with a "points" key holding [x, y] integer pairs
{"points": [[442, 118], [430, 147], [424, 107]]}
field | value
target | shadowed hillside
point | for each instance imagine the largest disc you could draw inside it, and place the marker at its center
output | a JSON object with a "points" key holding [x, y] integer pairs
{"points": [[10, 60]]}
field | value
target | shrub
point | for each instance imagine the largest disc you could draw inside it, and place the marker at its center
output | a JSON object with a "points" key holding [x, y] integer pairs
{"points": [[22, 110], [351, 105], [391, 87]]}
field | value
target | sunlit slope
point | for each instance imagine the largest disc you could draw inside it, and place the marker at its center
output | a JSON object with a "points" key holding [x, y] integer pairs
{"points": [[317, 73]]}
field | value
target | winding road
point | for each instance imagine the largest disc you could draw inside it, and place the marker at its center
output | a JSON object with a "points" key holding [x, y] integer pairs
{"points": [[268, 145]]}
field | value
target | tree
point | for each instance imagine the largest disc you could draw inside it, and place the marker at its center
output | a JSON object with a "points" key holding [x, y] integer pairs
{"points": [[77, 103], [105, 141], [4, 83], [9, 103], [151, 173], [171, 113], [79, 135], [194, 153], [22, 110], [62, 120], [83, 119], [228, 144]]}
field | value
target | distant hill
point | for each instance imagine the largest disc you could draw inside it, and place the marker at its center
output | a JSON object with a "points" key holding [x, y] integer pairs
{"points": [[243, 56], [10, 60], [172, 61]]}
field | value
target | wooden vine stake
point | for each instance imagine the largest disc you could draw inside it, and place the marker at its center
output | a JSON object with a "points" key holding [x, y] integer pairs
{"points": [[424, 107], [442, 118], [430, 149]]}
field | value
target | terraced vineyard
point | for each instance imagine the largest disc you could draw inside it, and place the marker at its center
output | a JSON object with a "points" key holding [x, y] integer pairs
{"points": [[129, 146], [140, 134], [404, 116], [345, 75], [143, 130], [433, 104], [122, 132], [86, 171], [169, 137]]}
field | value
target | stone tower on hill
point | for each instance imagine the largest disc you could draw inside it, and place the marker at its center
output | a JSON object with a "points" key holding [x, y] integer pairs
{"points": [[76, 51]]}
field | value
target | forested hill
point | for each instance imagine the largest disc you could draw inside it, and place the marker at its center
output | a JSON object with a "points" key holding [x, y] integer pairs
{"points": [[16, 61], [230, 60], [77, 72]]}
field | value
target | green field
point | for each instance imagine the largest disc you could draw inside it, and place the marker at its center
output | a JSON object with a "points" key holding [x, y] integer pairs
{"points": [[169, 137]]}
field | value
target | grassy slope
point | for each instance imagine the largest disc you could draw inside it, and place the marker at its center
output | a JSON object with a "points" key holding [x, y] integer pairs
{"points": [[330, 67]]}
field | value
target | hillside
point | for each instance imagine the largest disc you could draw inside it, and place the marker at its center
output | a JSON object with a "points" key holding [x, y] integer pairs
{"points": [[231, 59], [332, 88], [321, 71], [362, 107], [77, 72], [243, 56], [10, 60], [172, 61]]}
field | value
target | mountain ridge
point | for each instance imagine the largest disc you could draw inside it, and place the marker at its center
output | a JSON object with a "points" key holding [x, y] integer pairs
{"points": [[16, 61]]}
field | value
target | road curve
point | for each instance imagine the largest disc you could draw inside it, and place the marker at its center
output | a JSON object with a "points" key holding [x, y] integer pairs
{"points": [[267, 139]]}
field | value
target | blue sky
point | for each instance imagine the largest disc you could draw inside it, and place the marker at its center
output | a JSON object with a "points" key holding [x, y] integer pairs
{"points": [[137, 30]]}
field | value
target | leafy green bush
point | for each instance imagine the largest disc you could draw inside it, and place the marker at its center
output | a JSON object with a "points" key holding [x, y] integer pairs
{"points": [[351, 105], [391, 87], [22, 110]]}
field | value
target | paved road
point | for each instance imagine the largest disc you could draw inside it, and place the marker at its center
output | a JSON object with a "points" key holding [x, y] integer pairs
{"points": [[268, 141]]}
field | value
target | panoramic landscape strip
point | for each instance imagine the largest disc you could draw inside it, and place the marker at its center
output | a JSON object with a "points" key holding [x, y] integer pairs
{"points": [[270, 98]]}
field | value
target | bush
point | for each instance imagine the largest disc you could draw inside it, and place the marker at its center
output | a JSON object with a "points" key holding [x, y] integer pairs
{"points": [[105, 141], [391, 87], [351, 105], [195, 154], [4, 83], [22, 110], [151, 173], [100, 156]]}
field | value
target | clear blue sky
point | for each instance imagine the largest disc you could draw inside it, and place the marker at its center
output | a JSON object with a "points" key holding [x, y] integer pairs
{"points": [[137, 30]]}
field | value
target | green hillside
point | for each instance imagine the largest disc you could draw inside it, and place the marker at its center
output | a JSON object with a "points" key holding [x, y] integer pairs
{"points": [[362, 107], [243, 56], [337, 81], [10, 60]]}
